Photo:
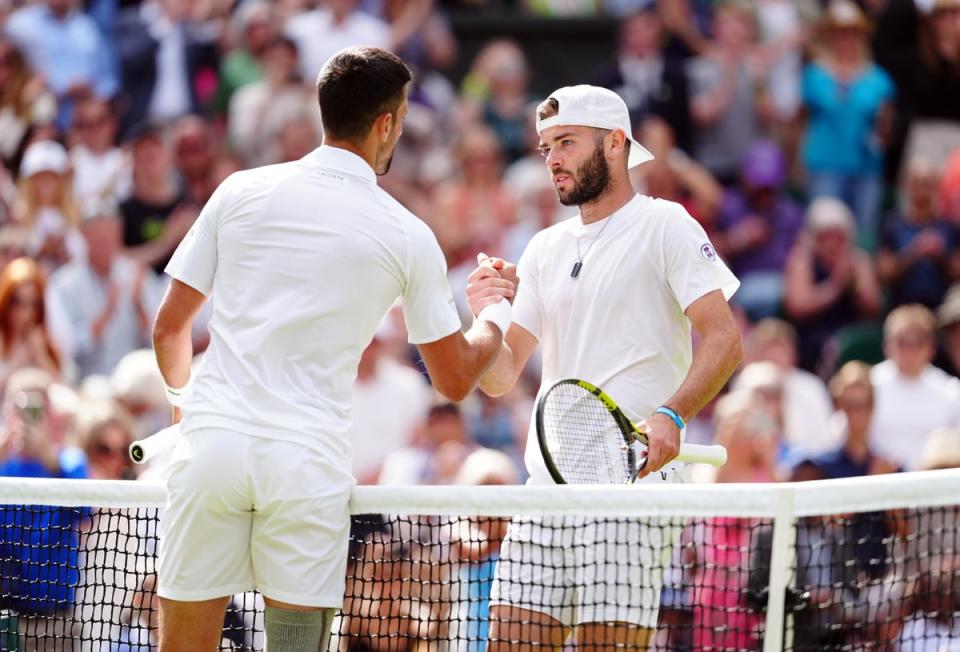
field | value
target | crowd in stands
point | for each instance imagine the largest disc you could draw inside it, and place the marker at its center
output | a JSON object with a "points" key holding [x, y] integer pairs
{"points": [[816, 141]]}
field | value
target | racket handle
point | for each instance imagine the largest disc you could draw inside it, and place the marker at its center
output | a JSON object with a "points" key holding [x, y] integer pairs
{"points": [[141, 451], [714, 455]]}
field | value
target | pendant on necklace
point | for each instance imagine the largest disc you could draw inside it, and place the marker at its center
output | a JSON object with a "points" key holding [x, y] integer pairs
{"points": [[575, 272]]}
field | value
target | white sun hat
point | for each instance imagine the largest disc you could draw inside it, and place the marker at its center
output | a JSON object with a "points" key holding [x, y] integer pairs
{"points": [[593, 106]]}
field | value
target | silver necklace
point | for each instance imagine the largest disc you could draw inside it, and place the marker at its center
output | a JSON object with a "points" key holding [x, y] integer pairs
{"points": [[577, 266]]}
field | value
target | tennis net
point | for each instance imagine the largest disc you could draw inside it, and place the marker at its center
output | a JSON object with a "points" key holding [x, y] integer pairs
{"points": [[860, 564]]}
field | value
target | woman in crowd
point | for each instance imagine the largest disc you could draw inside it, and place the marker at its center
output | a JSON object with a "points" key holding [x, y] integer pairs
{"points": [[24, 341], [847, 100], [25, 104], [830, 283], [935, 131], [106, 433], [46, 206]]}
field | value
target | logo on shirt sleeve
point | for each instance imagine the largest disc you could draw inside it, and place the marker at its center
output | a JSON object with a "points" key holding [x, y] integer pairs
{"points": [[708, 253]]}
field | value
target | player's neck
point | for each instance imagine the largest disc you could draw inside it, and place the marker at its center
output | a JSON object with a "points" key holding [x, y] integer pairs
{"points": [[619, 193]]}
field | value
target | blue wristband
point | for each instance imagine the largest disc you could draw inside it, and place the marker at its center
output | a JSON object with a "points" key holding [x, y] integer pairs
{"points": [[663, 409]]}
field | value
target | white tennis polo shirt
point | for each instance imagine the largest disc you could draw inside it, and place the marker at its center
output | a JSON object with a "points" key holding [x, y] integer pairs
{"points": [[620, 323], [302, 260]]}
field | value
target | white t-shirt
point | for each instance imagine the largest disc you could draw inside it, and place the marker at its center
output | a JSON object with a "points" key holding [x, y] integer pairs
{"points": [[388, 409], [807, 410], [303, 260], [620, 324], [907, 409], [318, 37]]}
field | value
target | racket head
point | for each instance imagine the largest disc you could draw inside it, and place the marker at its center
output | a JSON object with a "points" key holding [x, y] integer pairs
{"points": [[584, 437]]}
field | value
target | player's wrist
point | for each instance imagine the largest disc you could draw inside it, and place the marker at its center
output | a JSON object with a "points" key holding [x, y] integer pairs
{"points": [[177, 396], [672, 414], [499, 314]]}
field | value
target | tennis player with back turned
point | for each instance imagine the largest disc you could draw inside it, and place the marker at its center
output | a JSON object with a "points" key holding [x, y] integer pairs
{"points": [[611, 296], [302, 260]]}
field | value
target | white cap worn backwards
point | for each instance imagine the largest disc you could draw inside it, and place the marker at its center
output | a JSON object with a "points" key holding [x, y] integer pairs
{"points": [[592, 106]]}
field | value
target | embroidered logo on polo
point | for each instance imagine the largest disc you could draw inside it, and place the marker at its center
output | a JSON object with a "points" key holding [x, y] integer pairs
{"points": [[707, 252]]}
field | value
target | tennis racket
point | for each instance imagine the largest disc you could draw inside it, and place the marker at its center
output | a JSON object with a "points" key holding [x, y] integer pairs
{"points": [[585, 438], [141, 451]]}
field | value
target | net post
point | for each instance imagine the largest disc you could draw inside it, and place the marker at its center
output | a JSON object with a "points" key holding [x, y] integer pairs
{"points": [[782, 549]]}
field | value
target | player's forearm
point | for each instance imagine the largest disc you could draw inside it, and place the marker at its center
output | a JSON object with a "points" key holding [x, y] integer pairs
{"points": [[714, 361], [501, 376], [174, 350], [477, 352]]}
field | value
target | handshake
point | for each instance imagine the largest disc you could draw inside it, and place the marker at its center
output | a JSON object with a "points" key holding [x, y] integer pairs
{"points": [[491, 288]]}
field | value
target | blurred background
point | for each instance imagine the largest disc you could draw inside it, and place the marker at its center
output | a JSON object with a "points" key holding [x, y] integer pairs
{"points": [[818, 143]]}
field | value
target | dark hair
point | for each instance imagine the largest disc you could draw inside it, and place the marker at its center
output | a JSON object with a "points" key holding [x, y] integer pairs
{"points": [[548, 108], [356, 86]]}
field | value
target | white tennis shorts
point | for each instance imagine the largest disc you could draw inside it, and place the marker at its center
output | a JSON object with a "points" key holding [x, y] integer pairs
{"points": [[246, 513], [580, 570]]}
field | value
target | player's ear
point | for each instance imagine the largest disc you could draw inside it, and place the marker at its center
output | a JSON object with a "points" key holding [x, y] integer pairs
{"points": [[383, 126], [616, 141]]}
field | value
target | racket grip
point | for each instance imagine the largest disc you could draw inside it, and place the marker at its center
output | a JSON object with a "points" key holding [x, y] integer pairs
{"points": [[714, 455], [141, 451]]}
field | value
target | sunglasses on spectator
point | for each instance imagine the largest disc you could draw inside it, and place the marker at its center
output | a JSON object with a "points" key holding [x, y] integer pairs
{"points": [[109, 451], [20, 302], [911, 341], [90, 124]]}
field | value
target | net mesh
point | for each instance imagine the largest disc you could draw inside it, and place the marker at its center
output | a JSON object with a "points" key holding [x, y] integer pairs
{"points": [[79, 578]]}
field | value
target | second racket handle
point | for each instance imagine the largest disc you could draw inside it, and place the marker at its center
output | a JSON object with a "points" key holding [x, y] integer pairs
{"points": [[714, 454], [141, 451]]}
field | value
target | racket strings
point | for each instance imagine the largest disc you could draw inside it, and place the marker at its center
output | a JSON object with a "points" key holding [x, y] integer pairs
{"points": [[583, 438]]}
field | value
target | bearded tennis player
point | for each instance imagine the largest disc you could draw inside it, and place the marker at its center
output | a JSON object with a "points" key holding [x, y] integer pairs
{"points": [[610, 295], [301, 262]]}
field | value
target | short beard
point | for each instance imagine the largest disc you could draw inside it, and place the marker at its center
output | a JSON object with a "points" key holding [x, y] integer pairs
{"points": [[384, 167], [593, 180]]}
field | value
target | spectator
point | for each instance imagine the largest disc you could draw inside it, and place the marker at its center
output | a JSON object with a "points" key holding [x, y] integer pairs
{"points": [[848, 103], [476, 548], [105, 433], [260, 111], [137, 386], [157, 215], [918, 258], [476, 208], [47, 208], [102, 308], [498, 95], [195, 154], [25, 104], [298, 136], [935, 131], [65, 46], [390, 402], [853, 396], [829, 283], [721, 617], [650, 80], [420, 34], [784, 27], [758, 225], [674, 176], [100, 168], [24, 342], [162, 55], [435, 454], [256, 26], [912, 396], [950, 189], [324, 31], [948, 319], [726, 109], [806, 403], [39, 545]]}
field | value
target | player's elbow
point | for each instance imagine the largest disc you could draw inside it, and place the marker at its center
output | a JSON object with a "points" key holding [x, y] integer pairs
{"points": [[454, 386], [733, 344]]}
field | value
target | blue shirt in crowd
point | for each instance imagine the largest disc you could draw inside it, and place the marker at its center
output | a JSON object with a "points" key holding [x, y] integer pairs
{"points": [[842, 119], [926, 281], [65, 51], [39, 544]]}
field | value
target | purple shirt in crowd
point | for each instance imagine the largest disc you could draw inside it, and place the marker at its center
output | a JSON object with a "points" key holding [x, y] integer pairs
{"points": [[785, 219]]}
